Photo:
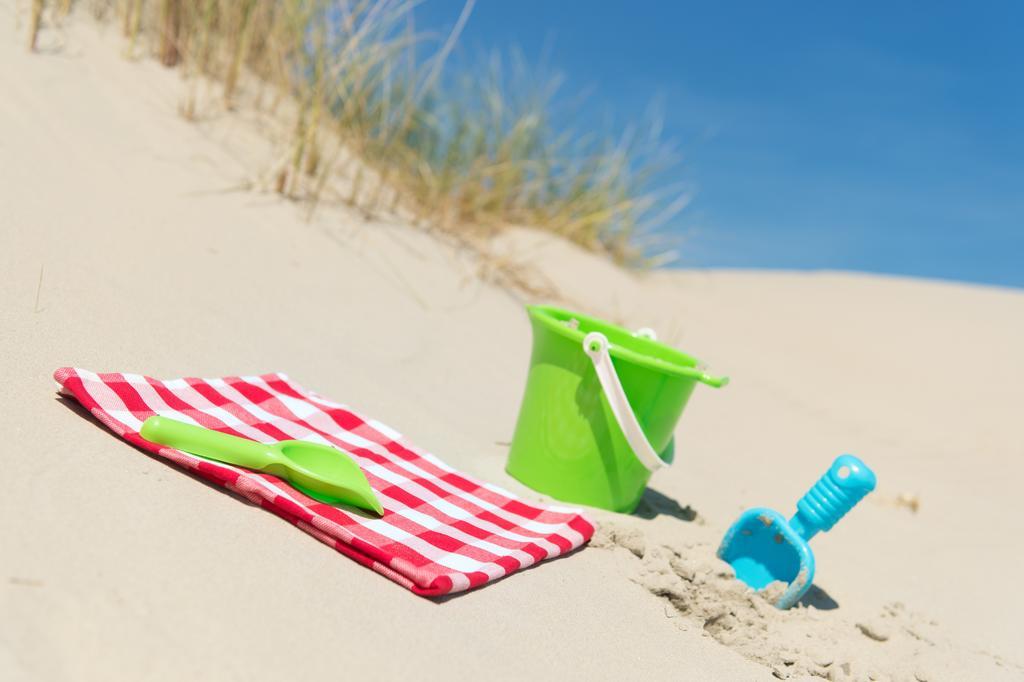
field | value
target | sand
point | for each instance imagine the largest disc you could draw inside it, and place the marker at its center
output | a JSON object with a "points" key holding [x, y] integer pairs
{"points": [[124, 246]]}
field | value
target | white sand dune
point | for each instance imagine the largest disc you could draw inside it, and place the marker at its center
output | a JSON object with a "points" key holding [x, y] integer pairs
{"points": [[120, 250]]}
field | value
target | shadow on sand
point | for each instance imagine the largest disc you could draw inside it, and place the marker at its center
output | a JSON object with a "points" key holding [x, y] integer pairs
{"points": [[654, 504]]}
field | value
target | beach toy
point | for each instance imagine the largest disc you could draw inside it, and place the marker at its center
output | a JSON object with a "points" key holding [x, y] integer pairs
{"points": [[763, 547], [320, 471], [600, 406]]}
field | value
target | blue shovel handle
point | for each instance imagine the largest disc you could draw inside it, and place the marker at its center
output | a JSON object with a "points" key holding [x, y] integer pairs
{"points": [[846, 482]]}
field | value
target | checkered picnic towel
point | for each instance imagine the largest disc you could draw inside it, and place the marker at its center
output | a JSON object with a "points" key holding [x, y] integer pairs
{"points": [[442, 531]]}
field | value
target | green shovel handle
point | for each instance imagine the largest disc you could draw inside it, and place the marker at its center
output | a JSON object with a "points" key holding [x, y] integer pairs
{"points": [[197, 440]]}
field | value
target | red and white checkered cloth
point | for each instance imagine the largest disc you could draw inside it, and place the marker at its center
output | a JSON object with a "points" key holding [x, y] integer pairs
{"points": [[442, 531]]}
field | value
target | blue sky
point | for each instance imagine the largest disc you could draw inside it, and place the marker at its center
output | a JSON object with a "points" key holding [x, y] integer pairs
{"points": [[886, 137]]}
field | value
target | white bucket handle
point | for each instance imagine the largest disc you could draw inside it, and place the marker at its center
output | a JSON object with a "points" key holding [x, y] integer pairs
{"points": [[595, 345]]}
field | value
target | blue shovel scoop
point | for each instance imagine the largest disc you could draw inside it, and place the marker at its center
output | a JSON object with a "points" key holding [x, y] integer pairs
{"points": [[763, 547]]}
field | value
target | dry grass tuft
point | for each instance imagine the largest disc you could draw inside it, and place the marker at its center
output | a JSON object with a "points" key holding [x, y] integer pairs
{"points": [[34, 23], [369, 113]]}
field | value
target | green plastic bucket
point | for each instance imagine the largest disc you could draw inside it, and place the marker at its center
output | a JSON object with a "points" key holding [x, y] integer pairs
{"points": [[600, 407]]}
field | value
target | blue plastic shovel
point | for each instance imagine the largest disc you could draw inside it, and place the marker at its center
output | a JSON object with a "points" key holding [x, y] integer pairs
{"points": [[763, 547]]}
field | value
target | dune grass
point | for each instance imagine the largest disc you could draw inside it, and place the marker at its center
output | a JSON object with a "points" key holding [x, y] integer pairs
{"points": [[372, 100]]}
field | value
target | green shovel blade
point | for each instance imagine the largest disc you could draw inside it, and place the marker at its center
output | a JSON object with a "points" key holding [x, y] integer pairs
{"points": [[320, 471]]}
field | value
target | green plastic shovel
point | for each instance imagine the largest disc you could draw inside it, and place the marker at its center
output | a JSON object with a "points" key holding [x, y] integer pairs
{"points": [[320, 471]]}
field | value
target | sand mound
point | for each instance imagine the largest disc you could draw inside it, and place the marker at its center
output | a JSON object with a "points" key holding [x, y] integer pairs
{"points": [[813, 639]]}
